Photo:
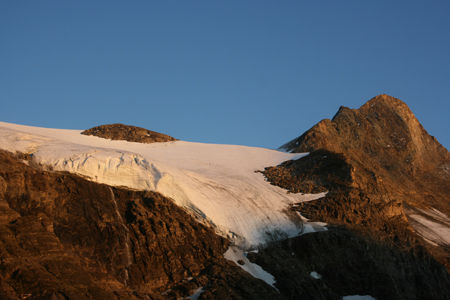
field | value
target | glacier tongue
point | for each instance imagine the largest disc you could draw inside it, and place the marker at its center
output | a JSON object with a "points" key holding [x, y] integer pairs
{"points": [[216, 183]]}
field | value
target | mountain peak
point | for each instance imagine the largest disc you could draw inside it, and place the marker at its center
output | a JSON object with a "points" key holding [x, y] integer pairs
{"points": [[387, 156], [384, 123], [385, 102], [382, 135], [385, 98]]}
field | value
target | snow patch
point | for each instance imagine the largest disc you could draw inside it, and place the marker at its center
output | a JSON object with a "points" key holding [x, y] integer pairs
{"points": [[196, 294], [358, 297], [237, 255], [308, 227], [315, 275], [431, 224]]}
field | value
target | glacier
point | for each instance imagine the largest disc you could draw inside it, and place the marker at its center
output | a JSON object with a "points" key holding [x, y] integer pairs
{"points": [[218, 184]]}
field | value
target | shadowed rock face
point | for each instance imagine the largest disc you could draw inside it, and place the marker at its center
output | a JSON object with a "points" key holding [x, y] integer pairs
{"points": [[63, 237], [128, 133], [379, 165], [349, 263]]}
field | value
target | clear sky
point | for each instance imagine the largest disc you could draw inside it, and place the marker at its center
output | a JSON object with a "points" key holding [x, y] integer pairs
{"points": [[253, 73]]}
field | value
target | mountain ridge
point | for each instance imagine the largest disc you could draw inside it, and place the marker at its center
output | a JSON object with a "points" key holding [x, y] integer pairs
{"points": [[90, 218]]}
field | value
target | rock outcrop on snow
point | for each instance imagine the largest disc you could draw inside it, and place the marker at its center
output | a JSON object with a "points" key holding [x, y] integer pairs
{"points": [[128, 133]]}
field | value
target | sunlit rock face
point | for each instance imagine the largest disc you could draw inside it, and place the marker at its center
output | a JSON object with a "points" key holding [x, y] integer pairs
{"points": [[381, 168]]}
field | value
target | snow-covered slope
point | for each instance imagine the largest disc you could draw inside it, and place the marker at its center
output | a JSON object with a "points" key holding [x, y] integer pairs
{"points": [[217, 183]]}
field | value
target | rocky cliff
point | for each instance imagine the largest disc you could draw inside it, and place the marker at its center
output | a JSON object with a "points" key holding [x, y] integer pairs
{"points": [[341, 261], [63, 237]]}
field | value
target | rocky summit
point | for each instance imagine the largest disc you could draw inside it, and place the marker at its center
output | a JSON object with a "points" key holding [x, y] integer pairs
{"points": [[128, 133], [79, 220]]}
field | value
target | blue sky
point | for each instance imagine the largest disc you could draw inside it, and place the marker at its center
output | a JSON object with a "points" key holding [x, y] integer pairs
{"points": [[255, 73]]}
